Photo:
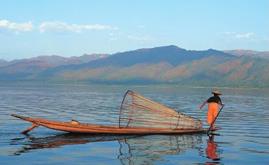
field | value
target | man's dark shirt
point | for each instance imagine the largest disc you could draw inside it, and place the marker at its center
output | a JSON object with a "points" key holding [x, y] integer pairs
{"points": [[214, 99]]}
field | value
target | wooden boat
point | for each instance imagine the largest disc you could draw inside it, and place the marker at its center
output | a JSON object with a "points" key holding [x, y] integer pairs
{"points": [[100, 129], [137, 115]]}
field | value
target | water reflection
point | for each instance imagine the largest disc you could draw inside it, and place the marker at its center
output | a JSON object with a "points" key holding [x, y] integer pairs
{"points": [[212, 151], [148, 149], [29, 142], [131, 150]]}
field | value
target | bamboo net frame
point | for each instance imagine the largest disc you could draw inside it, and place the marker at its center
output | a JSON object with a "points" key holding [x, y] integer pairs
{"points": [[138, 111]]}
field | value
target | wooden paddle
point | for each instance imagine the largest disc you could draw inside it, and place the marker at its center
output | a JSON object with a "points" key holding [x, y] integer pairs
{"points": [[214, 120]]}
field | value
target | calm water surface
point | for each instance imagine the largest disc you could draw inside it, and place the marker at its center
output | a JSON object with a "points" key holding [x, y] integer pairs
{"points": [[243, 139]]}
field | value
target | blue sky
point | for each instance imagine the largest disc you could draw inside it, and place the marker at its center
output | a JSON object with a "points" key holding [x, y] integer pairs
{"points": [[31, 28]]}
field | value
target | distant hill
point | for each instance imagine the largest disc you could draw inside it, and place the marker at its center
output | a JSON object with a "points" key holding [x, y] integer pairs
{"points": [[251, 53], [3, 62], [166, 64], [29, 68], [55, 60], [170, 54]]}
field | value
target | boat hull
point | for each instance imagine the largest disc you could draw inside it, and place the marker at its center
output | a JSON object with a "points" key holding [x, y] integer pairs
{"points": [[100, 129]]}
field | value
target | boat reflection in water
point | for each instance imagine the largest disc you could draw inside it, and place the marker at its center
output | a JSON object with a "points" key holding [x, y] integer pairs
{"points": [[147, 149], [132, 149], [29, 142]]}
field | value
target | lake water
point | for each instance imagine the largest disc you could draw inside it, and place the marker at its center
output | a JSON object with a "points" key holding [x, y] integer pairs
{"points": [[243, 138]]}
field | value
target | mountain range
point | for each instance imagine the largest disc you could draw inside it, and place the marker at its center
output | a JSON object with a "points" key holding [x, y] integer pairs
{"points": [[166, 64]]}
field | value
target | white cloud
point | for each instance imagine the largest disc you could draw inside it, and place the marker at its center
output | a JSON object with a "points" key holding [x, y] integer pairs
{"points": [[56, 26], [17, 27], [229, 33], [62, 26], [244, 35], [139, 38], [237, 35], [141, 26]]}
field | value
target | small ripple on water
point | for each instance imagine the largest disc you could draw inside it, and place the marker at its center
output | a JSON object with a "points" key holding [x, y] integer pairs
{"points": [[255, 150]]}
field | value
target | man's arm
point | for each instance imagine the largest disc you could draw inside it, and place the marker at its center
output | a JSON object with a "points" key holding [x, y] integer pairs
{"points": [[202, 105], [220, 102]]}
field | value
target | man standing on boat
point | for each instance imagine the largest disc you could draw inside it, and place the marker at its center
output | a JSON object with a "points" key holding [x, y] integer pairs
{"points": [[214, 103]]}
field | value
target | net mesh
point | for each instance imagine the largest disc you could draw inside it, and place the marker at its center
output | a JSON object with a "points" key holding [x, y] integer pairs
{"points": [[138, 111]]}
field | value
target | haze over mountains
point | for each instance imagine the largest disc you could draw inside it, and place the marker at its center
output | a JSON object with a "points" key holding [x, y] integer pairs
{"points": [[166, 64]]}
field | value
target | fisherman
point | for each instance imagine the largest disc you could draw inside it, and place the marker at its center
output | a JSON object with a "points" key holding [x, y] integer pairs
{"points": [[214, 104]]}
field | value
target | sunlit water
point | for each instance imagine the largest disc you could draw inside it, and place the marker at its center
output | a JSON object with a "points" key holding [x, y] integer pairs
{"points": [[243, 138]]}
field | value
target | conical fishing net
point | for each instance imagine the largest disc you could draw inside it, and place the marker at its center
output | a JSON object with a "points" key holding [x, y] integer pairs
{"points": [[138, 111]]}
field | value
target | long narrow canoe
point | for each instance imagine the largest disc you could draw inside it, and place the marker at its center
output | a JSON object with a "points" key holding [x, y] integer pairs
{"points": [[76, 127]]}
